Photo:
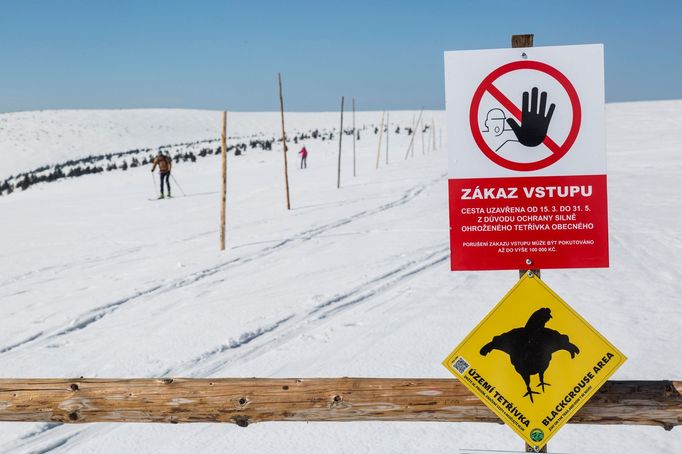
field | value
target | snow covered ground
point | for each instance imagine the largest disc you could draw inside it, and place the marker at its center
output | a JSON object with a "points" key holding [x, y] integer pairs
{"points": [[97, 281]]}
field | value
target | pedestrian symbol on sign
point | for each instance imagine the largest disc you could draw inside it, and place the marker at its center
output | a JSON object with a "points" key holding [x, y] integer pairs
{"points": [[496, 131]]}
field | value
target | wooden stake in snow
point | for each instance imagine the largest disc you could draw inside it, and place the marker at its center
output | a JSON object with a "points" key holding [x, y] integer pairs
{"points": [[338, 173], [284, 142], [522, 41], [428, 140], [353, 136], [381, 133], [432, 138], [414, 128], [223, 190], [422, 130], [414, 133], [433, 132], [388, 131]]}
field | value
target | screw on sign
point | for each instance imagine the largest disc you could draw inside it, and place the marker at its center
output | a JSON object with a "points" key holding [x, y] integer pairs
{"points": [[535, 117]]}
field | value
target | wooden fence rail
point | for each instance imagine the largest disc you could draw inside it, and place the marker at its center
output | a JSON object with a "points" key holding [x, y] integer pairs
{"points": [[244, 401]]}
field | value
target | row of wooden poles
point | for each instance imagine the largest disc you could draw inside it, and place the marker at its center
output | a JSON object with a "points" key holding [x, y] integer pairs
{"points": [[223, 145]]}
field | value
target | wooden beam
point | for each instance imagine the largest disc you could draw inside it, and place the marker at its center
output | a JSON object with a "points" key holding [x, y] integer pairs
{"points": [[244, 401]]}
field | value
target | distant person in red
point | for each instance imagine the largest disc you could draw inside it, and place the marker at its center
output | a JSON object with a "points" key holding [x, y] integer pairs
{"points": [[304, 158], [165, 165]]}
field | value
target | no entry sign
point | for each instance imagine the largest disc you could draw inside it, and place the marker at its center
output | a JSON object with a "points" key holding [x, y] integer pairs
{"points": [[527, 158], [488, 86]]}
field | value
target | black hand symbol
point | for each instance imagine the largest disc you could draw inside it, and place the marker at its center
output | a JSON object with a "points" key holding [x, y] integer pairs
{"points": [[534, 123]]}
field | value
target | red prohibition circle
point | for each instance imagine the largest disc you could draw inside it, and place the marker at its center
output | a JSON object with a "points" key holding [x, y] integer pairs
{"points": [[558, 151]]}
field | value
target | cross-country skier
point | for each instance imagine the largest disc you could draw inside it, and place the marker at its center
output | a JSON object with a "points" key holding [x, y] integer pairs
{"points": [[304, 158], [165, 164]]}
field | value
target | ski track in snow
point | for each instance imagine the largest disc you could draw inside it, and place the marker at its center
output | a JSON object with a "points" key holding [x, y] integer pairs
{"points": [[50, 442], [92, 316], [43, 428], [215, 361], [54, 445], [20, 343], [244, 338], [89, 261], [42, 440]]}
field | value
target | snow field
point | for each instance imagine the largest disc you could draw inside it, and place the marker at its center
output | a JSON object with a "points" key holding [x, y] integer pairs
{"points": [[98, 281]]}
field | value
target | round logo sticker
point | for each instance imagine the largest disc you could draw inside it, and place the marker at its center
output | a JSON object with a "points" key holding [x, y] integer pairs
{"points": [[537, 435]]}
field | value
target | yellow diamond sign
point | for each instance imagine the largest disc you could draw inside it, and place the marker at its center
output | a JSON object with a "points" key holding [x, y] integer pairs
{"points": [[534, 361]]}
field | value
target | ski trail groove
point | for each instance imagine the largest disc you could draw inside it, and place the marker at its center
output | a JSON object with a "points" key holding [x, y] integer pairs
{"points": [[244, 338], [213, 360], [20, 343]]}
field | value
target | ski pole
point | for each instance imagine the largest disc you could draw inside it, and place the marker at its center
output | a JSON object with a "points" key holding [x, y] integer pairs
{"points": [[179, 187], [154, 183]]}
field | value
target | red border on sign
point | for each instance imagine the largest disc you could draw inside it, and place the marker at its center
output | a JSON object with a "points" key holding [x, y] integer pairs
{"points": [[495, 221], [558, 151]]}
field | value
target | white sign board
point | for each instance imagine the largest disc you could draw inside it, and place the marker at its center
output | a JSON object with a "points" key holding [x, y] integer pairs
{"points": [[501, 77], [526, 144]]}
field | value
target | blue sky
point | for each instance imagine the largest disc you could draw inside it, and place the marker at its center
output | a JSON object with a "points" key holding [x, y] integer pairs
{"points": [[226, 54]]}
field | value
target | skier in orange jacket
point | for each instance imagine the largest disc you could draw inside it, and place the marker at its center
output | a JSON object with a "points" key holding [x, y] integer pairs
{"points": [[165, 164]]}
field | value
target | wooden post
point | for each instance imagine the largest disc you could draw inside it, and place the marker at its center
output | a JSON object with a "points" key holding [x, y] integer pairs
{"points": [[388, 132], [244, 401], [414, 133], [284, 142], [428, 140], [433, 133], [353, 136], [223, 190], [522, 41], [338, 174], [381, 133], [422, 130], [516, 42]]}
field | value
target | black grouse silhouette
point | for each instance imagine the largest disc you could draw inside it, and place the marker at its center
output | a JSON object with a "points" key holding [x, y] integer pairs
{"points": [[530, 348]]}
